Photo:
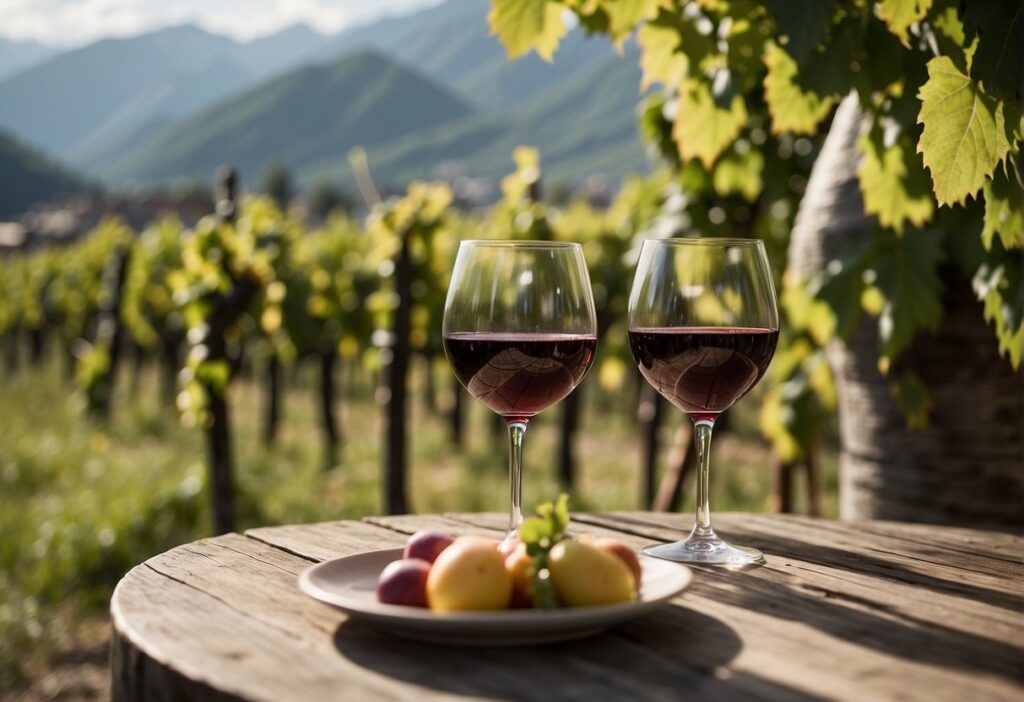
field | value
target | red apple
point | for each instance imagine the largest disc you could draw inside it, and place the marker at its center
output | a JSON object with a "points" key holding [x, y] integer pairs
{"points": [[404, 582], [427, 545]]}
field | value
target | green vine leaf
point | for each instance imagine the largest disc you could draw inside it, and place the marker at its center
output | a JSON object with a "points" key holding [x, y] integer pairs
{"points": [[792, 108], [703, 128], [525, 25], [802, 24], [964, 135], [1002, 211], [1000, 286], [900, 14], [999, 55], [739, 172], [625, 14], [893, 181], [908, 279], [660, 60]]}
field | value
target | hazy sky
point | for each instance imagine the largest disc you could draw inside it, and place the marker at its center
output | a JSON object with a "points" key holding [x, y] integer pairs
{"points": [[72, 22]]}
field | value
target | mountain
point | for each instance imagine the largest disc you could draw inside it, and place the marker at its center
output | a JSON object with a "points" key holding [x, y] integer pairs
{"points": [[585, 125], [61, 103], [18, 55], [451, 43], [74, 104], [313, 114], [286, 49], [27, 178]]}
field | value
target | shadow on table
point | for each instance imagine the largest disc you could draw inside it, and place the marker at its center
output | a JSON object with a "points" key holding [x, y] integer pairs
{"points": [[870, 623], [664, 656]]}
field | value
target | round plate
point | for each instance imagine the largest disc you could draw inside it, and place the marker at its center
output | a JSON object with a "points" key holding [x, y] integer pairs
{"points": [[349, 584]]}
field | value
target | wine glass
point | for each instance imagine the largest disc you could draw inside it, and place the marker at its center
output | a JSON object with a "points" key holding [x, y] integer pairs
{"points": [[703, 325], [520, 333]]}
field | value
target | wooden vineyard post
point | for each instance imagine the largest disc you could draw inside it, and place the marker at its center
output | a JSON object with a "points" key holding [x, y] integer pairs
{"points": [[457, 416], [110, 329], [650, 413], [329, 420], [226, 309], [394, 391], [272, 409]]}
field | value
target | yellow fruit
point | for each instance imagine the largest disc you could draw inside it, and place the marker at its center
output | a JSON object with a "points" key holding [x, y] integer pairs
{"points": [[623, 552], [583, 575], [469, 575], [518, 565]]}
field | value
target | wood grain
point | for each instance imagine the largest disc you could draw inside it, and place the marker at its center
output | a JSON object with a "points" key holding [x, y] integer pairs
{"points": [[839, 611]]}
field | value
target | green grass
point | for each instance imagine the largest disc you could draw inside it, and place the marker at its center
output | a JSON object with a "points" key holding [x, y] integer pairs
{"points": [[81, 502]]}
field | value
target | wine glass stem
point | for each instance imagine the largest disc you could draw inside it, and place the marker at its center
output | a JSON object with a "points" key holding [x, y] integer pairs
{"points": [[516, 432], [702, 429]]}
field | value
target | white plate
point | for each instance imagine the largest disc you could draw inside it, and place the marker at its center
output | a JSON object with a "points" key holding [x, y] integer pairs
{"points": [[349, 583]]}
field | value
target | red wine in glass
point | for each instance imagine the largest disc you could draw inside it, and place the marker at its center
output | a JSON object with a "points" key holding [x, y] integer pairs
{"points": [[518, 374], [703, 370]]}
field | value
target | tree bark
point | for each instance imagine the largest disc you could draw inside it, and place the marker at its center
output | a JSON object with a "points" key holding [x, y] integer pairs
{"points": [[965, 467]]}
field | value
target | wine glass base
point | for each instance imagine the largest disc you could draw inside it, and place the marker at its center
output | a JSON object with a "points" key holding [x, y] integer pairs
{"points": [[705, 547]]}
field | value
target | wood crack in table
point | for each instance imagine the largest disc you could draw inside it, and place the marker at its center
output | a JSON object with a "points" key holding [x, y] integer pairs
{"points": [[840, 610]]}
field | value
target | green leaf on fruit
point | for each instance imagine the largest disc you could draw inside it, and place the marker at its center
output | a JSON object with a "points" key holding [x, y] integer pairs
{"points": [[540, 534]]}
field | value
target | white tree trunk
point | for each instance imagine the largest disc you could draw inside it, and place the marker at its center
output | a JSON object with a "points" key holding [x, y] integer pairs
{"points": [[967, 466]]}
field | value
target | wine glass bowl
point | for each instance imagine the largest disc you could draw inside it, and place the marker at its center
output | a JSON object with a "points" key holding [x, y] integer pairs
{"points": [[520, 333], [703, 326]]}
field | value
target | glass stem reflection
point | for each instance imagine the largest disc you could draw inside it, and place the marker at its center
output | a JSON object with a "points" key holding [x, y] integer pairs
{"points": [[516, 432], [702, 429]]}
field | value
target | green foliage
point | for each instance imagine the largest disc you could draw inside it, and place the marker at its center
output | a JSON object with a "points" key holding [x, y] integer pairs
{"points": [[540, 534], [965, 133]]}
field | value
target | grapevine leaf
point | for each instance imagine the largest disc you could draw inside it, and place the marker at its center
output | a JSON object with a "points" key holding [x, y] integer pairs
{"points": [[964, 134], [907, 277], [703, 128], [745, 41], [913, 399], [1000, 286], [792, 109], [625, 14], [524, 25], [659, 58], [803, 24], [839, 284], [900, 14], [739, 173], [893, 182], [999, 55], [1002, 211], [950, 37], [830, 70]]}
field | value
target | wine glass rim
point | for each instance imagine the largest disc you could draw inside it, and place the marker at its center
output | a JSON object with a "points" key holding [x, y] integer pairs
{"points": [[706, 241], [522, 243]]}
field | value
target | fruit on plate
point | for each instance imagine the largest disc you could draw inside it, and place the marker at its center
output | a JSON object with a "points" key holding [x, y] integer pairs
{"points": [[621, 550], [427, 545], [404, 582], [519, 564], [584, 575], [469, 575]]}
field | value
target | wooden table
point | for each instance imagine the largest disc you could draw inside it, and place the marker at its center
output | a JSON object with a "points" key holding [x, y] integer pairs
{"points": [[858, 611]]}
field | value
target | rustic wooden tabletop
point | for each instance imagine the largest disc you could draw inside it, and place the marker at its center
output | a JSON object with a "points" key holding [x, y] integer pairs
{"points": [[840, 610]]}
